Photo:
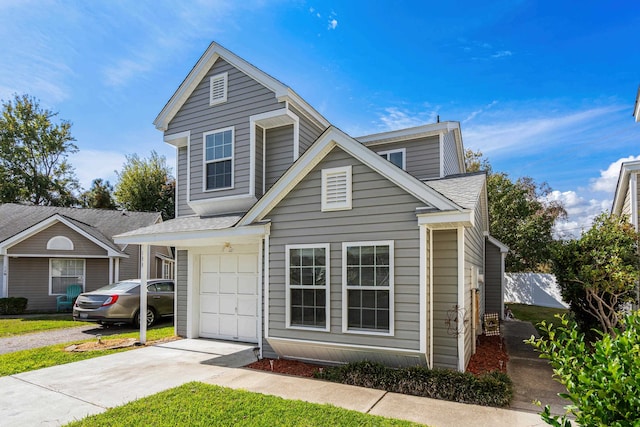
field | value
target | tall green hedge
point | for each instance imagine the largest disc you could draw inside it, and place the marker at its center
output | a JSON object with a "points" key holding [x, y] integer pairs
{"points": [[13, 305]]}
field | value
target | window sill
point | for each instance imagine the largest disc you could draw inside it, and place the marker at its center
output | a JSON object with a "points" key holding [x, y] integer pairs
{"points": [[307, 328], [367, 332]]}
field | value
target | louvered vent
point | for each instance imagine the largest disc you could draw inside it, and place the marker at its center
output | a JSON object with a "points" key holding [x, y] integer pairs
{"points": [[336, 189], [218, 89]]}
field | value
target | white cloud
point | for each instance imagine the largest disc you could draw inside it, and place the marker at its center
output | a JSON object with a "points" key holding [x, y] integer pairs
{"points": [[333, 23], [502, 53], [608, 179], [481, 110], [395, 118], [92, 164], [580, 212]]}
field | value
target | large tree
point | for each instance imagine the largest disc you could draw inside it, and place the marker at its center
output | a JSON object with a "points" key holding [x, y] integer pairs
{"points": [[520, 216], [599, 272], [146, 185], [33, 155], [99, 196]]}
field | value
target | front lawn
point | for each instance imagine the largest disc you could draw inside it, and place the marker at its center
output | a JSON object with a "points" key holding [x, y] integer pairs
{"points": [[536, 314], [43, 357], [29, 324], [198, 404]]}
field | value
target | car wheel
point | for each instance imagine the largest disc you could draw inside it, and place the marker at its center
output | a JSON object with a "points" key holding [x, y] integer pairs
{"points": [[151, 317]]}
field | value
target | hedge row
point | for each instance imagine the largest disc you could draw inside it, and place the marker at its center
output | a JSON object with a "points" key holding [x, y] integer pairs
{"points": [[13, 305], [492, 389]]}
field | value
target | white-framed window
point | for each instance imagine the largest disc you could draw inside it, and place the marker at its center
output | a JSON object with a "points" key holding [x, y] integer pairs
{"points": [[64, 272], [218, 159], [336, 189], [367, 287], [168, 268], [307, 286], [60, 243], [218, 88], [397, 157]]}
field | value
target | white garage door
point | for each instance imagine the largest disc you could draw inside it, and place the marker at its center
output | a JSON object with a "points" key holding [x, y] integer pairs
{"points": [[229, 297]]}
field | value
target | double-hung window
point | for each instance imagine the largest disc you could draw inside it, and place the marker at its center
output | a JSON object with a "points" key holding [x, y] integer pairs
{"points": [[367, 276], [218, 159], [307, 282], [64, 272], [397, 157]]}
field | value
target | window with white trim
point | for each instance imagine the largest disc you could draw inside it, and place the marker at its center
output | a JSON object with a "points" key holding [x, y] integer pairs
{"points": [[64, 272], [307, 283], [168, 268], [367, 275], [336, 189], [218, 159], [218, 89], [60, 243], [397, 157]]}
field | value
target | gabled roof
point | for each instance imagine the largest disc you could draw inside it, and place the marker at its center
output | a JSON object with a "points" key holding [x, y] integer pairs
{"points": [[20, 221], [623, 185], [334, 137], [463, 189], [202, 67]]}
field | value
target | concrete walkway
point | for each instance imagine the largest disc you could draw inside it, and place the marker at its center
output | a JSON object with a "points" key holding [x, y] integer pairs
{"points": [[532, 377], [60, 394]]}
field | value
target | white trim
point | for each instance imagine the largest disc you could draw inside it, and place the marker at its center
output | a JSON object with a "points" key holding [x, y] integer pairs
{"points": [[633, 189], [296, 139], [389, 350], [327, 286], [180, 139], [84, 273], [60, 243], [267, 249], [193, 265], [5, 277], [111, 270], [224, 77], [116, 272], [76, 255], [202, 67], [340, 205], [144, 282], [460, 326], [626, 169], [46, 223], [205, 162], [314, 155], [260, 296], [447, 220], [220, 205], [501, 246], [264, 161], [432, 129], [422, 230], [387, 153], [390, 288], [431, 297], [182, 238]]}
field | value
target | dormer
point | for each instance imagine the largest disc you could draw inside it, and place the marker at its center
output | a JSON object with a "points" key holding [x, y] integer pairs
{"points": [[428, 151], [236, 130]]}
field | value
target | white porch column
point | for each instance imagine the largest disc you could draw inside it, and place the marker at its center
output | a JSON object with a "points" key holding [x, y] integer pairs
{"points": [[116, 271], [111, 270], [4, 277], [144, 275]]}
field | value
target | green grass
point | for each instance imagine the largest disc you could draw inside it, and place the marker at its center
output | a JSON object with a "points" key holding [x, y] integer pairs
{"points": [[198, 404], [46, 322], [43, 357], [536, 314]]}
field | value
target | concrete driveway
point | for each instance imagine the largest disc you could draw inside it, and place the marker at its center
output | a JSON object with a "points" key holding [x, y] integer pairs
{"points": [[64, 393]]}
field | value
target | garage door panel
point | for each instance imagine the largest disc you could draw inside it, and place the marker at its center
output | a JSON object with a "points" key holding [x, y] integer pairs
{"points": [[210, 283], [248, 285], [209, 324], [209, 304], [229, 326], [247, 328], [247, 264], [228, 304], [229, 264], [247, 306], [228, 285], [210, 263]]}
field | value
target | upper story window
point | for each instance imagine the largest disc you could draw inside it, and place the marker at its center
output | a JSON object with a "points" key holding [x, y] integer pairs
{"points": [[397, 157], [218, 159], [60, 243], [218, 89], [336, 189]]}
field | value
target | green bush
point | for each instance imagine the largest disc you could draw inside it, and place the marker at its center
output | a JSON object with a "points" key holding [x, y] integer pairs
{"points": [[13, 305], [602, 378], [493, 389]]}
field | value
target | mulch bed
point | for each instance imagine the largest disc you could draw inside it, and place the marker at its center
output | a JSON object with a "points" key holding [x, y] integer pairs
{"points": [[490, 352]]}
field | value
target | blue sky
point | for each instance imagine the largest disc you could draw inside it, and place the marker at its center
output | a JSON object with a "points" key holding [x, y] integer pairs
{"points": [[543, 89]]}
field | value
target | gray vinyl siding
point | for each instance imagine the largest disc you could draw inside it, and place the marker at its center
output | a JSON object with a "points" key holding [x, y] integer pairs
{"points": [[422, 155], [130, 267], [245, 97], [259, 161], [450, 162], [637, 213], [29, 278], [445, 298], [493, 279], [381, 211], [309, 132], [37, 244], [279, 153], [181, 293], [183, 208]]}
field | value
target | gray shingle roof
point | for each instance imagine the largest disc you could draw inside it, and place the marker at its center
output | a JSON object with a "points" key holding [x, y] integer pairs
{"points": [[186, 224], [463, 190], [99, 223]]}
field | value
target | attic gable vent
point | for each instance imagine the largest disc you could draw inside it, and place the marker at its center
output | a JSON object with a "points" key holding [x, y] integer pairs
{"points": [[336, 189], [218, 89]]}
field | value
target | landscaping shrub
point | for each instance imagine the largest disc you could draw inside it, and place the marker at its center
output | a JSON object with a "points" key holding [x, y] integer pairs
{"points": [[13, 305], [492, 389]]}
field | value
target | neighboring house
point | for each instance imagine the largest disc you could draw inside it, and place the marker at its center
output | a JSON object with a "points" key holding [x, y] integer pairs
{"points": [[313, 244], [44, 249], [626, 200]]}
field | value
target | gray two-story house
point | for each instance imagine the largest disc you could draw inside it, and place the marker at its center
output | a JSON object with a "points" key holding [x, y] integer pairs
{"points": [[313, 244]]}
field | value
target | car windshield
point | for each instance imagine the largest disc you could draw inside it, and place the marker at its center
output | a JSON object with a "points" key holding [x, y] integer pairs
{"points": [[119, 286]]}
